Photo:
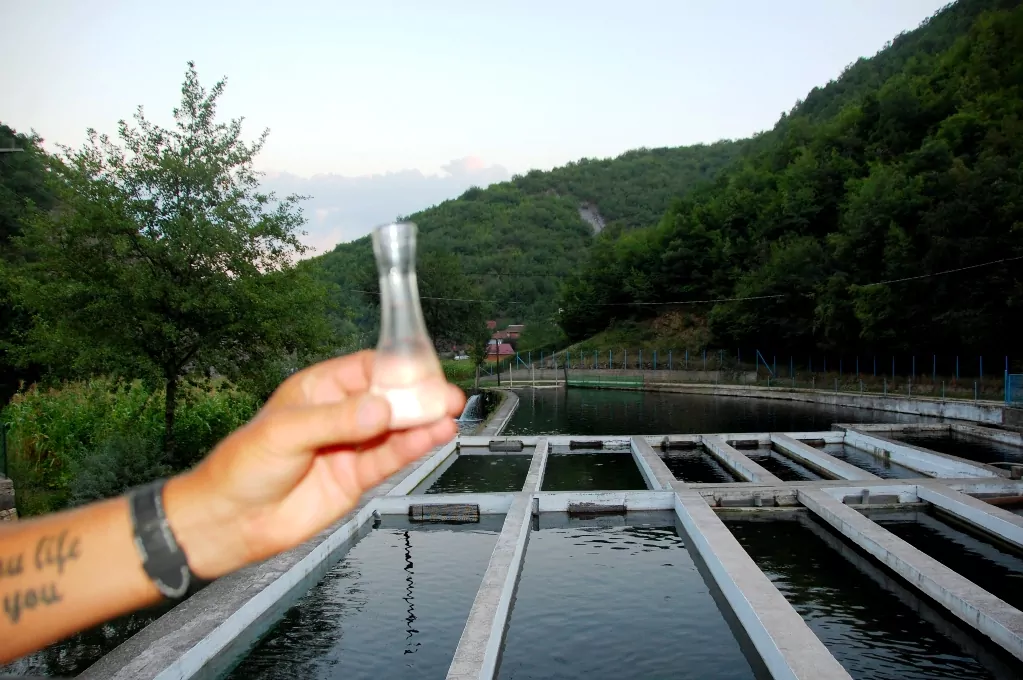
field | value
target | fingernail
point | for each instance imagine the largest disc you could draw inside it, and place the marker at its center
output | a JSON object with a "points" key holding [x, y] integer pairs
{"points": [[373, 413]]}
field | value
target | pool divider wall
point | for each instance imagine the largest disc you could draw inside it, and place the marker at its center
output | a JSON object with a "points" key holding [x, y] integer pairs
{"points": [[445, 454], [967, 601], [655, 472], [930, 463], [786, 645], [432, 475], [497, 422], [631, 501], [988, 518], [818, 459], [479, 647], [181, 642], [988, 433], [738, 463], [537, 467]]}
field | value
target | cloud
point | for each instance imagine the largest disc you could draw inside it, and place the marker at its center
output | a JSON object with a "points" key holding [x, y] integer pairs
{"points": [[341, 209]]}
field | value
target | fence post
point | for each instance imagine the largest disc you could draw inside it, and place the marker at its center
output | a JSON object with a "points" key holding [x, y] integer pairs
{"points": [[1006, 390], [857, 365], [792, 372], [912, 374], [655, 359], [943, 390], [669, 359], [687, 358], [885, 380], [836, 385], [981, 367], [934, 367], [974, 391], [704, 359], [639, 362], [625, 358]]}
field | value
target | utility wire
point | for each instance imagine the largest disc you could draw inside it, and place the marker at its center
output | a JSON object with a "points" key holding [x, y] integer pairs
{"points": [[731, 299], [947, 271]]}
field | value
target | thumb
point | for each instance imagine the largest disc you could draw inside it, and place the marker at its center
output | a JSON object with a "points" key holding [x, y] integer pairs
{"points": [[351, 421]]}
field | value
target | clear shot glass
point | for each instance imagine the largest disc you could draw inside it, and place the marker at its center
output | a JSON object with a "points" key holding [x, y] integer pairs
{"points": [[407, 371]]}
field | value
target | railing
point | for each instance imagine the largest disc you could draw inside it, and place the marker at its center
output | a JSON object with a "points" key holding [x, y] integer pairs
{"points": [[1013, 389], [929, 376]]}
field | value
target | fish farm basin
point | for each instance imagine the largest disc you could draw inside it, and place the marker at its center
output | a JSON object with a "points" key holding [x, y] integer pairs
{"points": [[841, 551]]}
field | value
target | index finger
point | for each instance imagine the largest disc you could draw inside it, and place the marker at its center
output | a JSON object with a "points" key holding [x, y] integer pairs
{"points": [[325, 382]]}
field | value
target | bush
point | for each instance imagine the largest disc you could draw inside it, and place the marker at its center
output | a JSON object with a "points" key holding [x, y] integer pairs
{"points": [[96, 438]]}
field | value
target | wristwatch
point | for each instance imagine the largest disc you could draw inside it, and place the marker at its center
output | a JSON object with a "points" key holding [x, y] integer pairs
{"points": [[162, 558]]}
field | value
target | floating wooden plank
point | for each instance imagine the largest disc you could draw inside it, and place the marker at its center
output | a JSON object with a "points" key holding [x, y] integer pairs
{"points": [[514, 445], [585, 445], [596, 509], [444, 512]]}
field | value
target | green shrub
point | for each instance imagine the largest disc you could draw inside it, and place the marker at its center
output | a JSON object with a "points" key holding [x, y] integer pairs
{"points": [[96, 438]]}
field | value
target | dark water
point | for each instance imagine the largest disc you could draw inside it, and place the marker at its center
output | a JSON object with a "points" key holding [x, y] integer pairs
{"points": [[591, 472], [393, 607], [990, 566], [617, 412], [781, 466], [697, 467], [601, 600], [72, 656], [969, 448], [483, 474], [885, 469], [873, 624]]}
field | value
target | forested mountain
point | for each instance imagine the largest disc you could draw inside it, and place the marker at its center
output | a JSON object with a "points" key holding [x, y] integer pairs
{"points": [[516, 241], [906, 167]]}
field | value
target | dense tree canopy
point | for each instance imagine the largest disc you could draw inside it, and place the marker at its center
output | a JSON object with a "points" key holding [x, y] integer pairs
{"points": [[905, 168], [514, 242], [163, 258]]}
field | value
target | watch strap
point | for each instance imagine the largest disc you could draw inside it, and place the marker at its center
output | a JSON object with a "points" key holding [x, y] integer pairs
{"points": [[162, 558]]}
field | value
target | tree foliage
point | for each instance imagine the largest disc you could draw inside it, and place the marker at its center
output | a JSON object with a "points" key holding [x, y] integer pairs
{"points": [[163, 258], [515, 241], [907, 166], [23, 186]]}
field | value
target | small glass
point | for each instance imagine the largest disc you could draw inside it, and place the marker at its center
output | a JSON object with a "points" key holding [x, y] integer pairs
{"points": [[407, 371]]}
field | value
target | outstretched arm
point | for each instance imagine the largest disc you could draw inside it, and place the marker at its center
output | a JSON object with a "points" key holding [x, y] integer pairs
{"points": [[316, 446]]}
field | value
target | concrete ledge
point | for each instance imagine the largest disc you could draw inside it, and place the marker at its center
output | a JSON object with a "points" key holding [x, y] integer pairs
{"points": [[929, 462], [784, 642], [178, 644], [497, 422], [655, 472], [423, 477], [489, 503], [811, 456], [537, 468], [990, 518], [967, 601], [737, 462], [989, 434], [558, 501], [479, 648], [899, 489]]}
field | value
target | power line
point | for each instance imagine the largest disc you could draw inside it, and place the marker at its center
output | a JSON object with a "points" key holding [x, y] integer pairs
{"points": [[446, 299], [731, 299], [947, 271]]}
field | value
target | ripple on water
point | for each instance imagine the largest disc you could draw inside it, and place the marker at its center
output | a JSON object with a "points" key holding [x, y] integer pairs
{"points": [[394, 607], [611, 601], [873, 624]]}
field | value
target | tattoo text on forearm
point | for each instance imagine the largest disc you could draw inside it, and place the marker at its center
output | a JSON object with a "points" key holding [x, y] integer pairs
{"points": [[51, 556]]}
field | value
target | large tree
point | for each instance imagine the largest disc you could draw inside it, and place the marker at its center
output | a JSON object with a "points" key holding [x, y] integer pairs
{"points": [[22, 186], [164, 258]]}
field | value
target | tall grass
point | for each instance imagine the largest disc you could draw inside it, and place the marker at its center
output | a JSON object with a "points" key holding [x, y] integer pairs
{"points": [[97, 438]]}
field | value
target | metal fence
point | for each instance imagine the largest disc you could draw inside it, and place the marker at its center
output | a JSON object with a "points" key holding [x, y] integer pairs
{"points": [[914, 375], [1013, 389]]}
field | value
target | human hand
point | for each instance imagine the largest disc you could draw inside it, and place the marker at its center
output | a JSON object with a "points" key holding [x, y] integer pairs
{"points": [[315, 447]]}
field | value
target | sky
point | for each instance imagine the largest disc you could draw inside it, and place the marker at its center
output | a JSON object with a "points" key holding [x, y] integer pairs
{"points": [[380, 108]]}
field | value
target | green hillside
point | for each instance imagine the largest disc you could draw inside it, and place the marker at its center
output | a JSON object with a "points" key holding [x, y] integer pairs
{"points": [[906, 167], [515, 242]]}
